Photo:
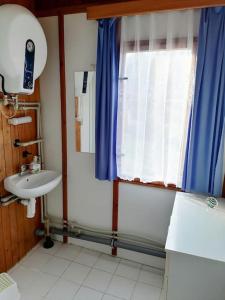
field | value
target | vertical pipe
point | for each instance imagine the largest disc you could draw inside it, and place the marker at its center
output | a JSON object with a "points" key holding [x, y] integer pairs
{"points": [[63, 118], [115, 211]]}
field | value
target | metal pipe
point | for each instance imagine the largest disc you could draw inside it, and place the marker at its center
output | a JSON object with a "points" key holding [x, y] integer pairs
{"points": [[21, 103], [137, 248], [37, 106], [110, 241], [28, 108], [5, 201], [25, 144], [108, 233]]}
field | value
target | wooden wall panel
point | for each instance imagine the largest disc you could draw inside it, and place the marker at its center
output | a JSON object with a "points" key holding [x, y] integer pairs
{"points": [[17, 233]]}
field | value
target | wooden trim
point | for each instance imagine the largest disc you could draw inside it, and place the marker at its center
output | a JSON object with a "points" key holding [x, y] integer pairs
{"points": [[158, 184], [77, 126], [44, 8], [63, 119], [145, 6], [223, 191], [115, 211], [73, 9]]}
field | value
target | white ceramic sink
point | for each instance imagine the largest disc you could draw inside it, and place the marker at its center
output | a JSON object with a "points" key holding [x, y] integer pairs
{"points": [[32, 185]]}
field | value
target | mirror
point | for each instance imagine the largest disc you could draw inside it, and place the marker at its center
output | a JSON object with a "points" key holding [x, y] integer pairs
{"points": [[85, 111]]}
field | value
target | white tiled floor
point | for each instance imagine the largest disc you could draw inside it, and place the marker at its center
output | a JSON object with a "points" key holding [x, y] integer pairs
{"points": [[68, 272]]}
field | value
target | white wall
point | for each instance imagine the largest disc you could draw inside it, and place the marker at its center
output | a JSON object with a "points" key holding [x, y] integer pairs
{"points": [[51, 111], [142, 210], [88, 197]]}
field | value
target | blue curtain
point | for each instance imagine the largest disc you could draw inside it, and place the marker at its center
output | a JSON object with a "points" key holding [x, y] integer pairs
{"points": [[107, 72], [203, 170]]}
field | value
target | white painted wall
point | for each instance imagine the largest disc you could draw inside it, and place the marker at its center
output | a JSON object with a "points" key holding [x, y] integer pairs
{"points": [[51, 111], [142, 210]]}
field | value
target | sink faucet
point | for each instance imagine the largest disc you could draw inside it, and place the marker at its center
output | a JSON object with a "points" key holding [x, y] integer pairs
{"points": [[33, 167], [24, 169]]}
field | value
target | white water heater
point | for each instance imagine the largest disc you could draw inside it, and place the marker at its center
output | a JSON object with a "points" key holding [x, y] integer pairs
{"points": [[23, 49]]}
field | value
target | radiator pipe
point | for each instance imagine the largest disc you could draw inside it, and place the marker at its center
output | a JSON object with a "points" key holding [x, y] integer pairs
{"points": [[5, 201], [109, 242], [18, 143]]}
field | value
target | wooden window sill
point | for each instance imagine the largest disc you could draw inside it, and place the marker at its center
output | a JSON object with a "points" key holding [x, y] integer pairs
{"points": [[155, 184]]}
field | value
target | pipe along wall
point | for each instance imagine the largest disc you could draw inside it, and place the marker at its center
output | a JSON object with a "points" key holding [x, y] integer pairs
{"points": [[111, 241]]}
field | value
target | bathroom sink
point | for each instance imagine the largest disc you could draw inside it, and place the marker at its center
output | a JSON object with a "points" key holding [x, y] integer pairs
{"points": [[30, 185]]}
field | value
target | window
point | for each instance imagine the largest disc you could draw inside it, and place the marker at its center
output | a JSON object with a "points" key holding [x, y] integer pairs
{"points": [[156, 89]]}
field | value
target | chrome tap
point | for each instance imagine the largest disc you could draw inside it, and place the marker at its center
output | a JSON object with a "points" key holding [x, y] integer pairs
{"points": [[24, 169]]}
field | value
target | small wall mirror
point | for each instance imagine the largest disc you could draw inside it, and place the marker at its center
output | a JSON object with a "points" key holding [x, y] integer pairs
{"points": [[85, 111]]}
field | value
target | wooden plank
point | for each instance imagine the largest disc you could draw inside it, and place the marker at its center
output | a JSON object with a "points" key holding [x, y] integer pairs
{"points": [[2, 156], [53, 8], [20, 215], [75, 9], [115, 210], [159, 185], [17, 233], [7, 237], [13, 232], [145, 6], [63, 118], [27, 3], [2, 247], [7, 147]]}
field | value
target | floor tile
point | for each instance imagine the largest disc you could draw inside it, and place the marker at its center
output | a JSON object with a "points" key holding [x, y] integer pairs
{"points": [[98, 280], [84, 275], [42, 284], [121, 287], [36, 260], [27, 296], [33, 282], [107, 263], [55, 266], [10, 271], [87, 257], [24, 277], [62, 289], [144, 291], [109, 297], [88, 294], [76, 273], [128, 269], [69, 252], [147, 275]]}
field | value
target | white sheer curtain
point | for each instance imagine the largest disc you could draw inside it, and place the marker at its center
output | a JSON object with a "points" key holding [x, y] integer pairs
{"points": [[157, 66]]}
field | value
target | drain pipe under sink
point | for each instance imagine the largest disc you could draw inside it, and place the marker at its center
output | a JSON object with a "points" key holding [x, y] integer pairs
{"points": [[30, 203]]}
